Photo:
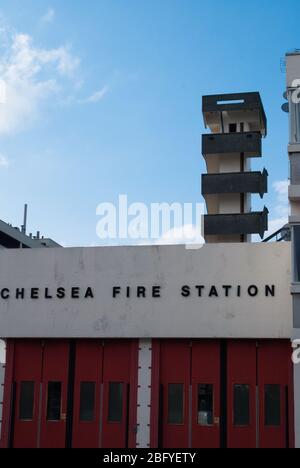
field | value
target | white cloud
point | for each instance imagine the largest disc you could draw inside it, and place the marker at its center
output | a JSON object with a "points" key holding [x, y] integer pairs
{"points": [[281, 188], [31, 75], [186, 234], [2, 91], [3, 161], [48, 17], [97, 96]]}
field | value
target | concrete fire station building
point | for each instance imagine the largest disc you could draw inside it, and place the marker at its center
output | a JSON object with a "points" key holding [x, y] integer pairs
{"points": [[160, 346]]}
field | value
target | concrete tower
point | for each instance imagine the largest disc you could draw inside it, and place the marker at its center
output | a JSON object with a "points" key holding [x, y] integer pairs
{"points": [[237, 123]]}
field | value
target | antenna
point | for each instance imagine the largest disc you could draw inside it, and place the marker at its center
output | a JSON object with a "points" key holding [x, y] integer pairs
{"points": [[24, 227], [283, 65]]}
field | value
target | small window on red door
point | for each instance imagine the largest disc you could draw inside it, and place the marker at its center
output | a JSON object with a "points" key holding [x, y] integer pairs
{"points": [[205, 405], [272, 405], [241, 405], [26, 406], [176, 404], [87, 401], [54, 401], [115, 402]]}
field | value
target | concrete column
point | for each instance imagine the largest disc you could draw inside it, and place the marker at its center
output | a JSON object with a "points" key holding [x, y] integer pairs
{"points": [[2, 371], [144, 394]]}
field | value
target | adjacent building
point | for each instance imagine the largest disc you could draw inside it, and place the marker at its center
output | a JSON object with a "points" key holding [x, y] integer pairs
{"points": [[16, 238], [293, 97]]}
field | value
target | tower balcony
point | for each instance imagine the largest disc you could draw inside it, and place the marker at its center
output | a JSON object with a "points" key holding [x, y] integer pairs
{"points": [[249, 143], [237, 182], [243, 224]]}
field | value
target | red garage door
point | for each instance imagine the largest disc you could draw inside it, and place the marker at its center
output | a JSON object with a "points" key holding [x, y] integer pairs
{"points": [[205, 378], [26, 394], [242, 394], [54, 389], [105, 394], [275, 395], [67, 394], [189, 394], [236, 394], [39, 394], [174, 391], [88, 394]]}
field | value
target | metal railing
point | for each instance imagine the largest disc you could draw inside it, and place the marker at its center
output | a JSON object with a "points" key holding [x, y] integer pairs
{"points": [[283, 234]]}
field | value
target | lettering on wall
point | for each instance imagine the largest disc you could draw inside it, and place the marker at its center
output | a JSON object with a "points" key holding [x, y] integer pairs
{"points": [[46, 293], [187, 291], [138, 292]]}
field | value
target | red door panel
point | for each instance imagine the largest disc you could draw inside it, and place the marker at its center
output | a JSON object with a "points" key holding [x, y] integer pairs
{"points": [[259, 374], [27, 378], [274, 361], [175, 358], [205, 394], [54, 401], [88, 375], [242, 392], [116, 394]]}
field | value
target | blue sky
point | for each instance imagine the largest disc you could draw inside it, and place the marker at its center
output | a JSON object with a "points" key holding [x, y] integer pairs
{"points": [[105, 99]]}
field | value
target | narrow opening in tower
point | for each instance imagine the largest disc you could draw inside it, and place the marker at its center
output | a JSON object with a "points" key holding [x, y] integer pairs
{"points": [[233, 101]]}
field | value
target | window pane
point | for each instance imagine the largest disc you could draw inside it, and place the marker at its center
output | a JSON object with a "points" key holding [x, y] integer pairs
{"points": [[205, 405], [241, 405], [115, 404], [87, 401], [294, 169], [54, 401], [294, 122], [175, 403], [26, 401], [272, 405]]}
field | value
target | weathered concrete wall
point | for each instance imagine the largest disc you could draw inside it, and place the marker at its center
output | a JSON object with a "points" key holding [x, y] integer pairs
{"points": [[171, 314]]}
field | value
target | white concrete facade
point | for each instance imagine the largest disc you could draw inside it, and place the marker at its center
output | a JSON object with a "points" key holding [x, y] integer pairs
{"points": [[190, 292]]}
